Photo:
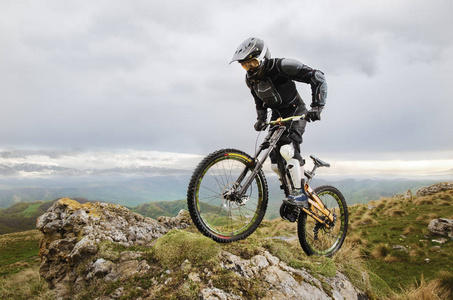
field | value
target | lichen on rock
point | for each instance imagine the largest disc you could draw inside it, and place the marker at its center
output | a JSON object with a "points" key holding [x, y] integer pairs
{"points": [[74, 231]]}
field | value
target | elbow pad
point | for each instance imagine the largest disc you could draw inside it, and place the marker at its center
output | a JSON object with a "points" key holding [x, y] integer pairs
{"points": [[318, 80]]}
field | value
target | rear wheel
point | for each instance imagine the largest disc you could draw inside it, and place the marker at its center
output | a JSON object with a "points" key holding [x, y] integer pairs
{"points": [[213, 201], [314, 237]]}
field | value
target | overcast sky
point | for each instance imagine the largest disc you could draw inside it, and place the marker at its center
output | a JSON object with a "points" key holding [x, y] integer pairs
{"points": [[154, 75]]}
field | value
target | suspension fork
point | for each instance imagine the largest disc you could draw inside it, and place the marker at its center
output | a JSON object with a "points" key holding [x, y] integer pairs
{"points": [[269, 144]]}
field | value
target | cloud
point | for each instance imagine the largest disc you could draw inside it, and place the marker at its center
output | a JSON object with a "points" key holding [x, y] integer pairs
{"points": [[155, 75]]}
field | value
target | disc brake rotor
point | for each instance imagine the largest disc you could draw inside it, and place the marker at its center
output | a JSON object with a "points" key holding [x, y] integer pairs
{"points": [[230, 197]]}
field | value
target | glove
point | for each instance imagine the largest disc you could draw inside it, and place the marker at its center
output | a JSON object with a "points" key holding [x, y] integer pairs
{"points": [[314, 114], [260, 125]]}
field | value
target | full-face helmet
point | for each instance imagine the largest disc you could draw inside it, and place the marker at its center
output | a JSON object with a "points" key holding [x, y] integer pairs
{"points": [[251, 54]]}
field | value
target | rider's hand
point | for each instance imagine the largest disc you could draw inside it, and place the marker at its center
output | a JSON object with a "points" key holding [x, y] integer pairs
{"points": [[260, 125], [314, 114]]}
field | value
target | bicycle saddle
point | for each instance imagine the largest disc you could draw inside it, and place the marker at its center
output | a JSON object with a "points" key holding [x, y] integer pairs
{"points": [[319, 162]]}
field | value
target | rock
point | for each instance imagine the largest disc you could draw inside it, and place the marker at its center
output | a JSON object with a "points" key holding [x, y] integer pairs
{"points": [[79, 252], [399, 248], [217, 294], [435, 188], [285, 282], [407, 195], [441, 227], [74, 231], [440, 241]]}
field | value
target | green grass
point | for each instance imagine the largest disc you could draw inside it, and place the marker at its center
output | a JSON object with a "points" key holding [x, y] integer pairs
{"points": [[31, 209], [18, 251], [403, 223]]}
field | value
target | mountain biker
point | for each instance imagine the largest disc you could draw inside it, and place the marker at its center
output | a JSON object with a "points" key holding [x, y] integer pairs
{"points": [[271, 82]]}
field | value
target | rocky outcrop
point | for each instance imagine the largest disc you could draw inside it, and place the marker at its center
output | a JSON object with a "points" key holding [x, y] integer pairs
{"points": [[285, 282], [86, 245], [441, 227], [406, 196], [74, 232], [435, 188]]}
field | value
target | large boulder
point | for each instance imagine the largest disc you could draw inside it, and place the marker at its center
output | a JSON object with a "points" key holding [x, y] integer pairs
{"points": [[73, 233], [435, 188], [441, 227]]}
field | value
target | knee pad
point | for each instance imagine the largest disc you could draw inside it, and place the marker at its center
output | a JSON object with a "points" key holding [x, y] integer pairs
{"points": [[287, 151]]}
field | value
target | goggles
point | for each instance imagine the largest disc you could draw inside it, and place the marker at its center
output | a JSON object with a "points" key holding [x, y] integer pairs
{"points": [[250, 64]]}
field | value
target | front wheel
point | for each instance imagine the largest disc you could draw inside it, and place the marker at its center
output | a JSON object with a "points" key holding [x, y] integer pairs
{"points": [[215, 206], [314, 237]]}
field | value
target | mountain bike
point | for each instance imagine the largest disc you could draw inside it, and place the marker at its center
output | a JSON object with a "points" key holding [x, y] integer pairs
{"points": [[228, 194]]}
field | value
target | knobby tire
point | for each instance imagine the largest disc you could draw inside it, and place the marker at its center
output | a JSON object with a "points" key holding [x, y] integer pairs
{"points": [[212, 211]]}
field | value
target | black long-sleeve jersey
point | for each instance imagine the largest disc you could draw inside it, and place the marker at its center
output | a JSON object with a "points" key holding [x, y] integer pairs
{"points": [[273, 85]]}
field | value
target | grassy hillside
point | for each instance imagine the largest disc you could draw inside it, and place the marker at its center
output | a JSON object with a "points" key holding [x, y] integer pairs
{"points": [[394, 240], [160, 208], [372, 257]]}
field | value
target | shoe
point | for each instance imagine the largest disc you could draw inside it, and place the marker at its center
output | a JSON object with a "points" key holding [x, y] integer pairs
{"points": [[298, 198]]}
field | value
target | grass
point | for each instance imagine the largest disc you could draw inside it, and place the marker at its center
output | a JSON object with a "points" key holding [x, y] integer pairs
{"points": [[178, 246], [27, 284], [368, 257], [18, 251], [404, 223]]}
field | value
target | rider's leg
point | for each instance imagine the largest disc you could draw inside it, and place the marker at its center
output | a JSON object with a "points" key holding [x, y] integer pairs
{"points": [[295, 168], [293, 165], [290, 149]]}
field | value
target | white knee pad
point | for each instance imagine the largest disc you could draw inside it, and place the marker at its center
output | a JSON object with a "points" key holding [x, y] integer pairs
{"points": [[293, 165], [287, 151]]}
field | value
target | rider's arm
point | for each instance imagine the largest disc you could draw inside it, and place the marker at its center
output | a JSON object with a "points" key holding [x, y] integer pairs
{"points": [[296, 70]]}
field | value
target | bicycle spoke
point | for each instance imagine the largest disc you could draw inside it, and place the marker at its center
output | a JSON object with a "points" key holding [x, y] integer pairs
{"points": [[218, 203]]}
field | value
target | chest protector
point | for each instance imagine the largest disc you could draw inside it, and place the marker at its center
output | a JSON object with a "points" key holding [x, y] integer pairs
{"points": [[266, 91]]}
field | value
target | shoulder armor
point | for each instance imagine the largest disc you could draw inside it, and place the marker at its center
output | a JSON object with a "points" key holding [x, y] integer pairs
{"points": [[292, 67]]}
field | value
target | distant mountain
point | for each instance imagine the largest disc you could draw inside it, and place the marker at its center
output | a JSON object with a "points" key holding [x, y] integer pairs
{"points": [[124, 190], [135, 190], [354, 191], [161, 196], [161, 208]]}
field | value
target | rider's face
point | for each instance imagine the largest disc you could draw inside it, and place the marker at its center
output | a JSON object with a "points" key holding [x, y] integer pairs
{"points": [[250, 64]]}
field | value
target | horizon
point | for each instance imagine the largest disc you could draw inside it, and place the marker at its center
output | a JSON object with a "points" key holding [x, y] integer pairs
{"points": [[154, 162]]}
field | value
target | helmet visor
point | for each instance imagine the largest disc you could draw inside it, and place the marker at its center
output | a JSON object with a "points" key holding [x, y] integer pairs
{"points": [[250, 64]]}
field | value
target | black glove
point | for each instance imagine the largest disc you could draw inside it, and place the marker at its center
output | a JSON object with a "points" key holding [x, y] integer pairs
{"points": [[260, 125], [314, 114]]}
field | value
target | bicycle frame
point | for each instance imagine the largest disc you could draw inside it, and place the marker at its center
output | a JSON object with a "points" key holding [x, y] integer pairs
{"points": [[269, 144]]}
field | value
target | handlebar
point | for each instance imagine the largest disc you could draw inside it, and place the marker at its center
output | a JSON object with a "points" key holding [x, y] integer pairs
{"points": [[280, 121]]}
